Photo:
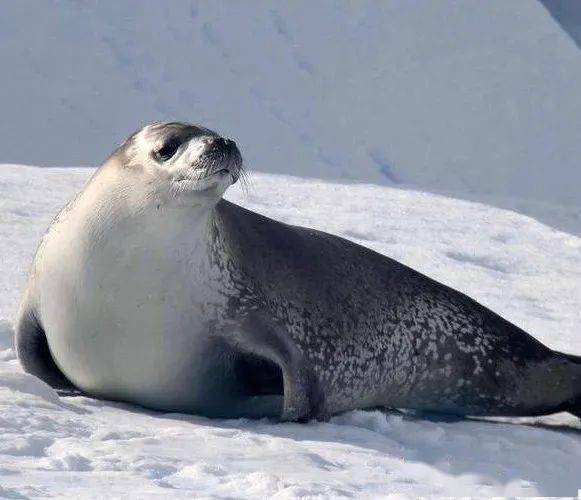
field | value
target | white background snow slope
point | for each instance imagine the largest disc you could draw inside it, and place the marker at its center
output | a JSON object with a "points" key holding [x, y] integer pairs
{"points": [[82, 448], [478, 99]]}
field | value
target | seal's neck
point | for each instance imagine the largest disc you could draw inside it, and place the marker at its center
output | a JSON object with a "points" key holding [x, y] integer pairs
{"points": [[127, 202]]}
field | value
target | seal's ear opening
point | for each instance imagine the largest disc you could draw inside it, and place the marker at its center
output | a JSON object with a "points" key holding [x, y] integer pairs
{"points": [[258, 376]]}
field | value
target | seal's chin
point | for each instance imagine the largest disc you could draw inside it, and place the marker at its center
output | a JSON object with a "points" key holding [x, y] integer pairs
{"points": [[203, 181]]}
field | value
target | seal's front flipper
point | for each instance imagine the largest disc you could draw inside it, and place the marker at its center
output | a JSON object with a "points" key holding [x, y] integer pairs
{"points": [[288, 377], [34, 354]]}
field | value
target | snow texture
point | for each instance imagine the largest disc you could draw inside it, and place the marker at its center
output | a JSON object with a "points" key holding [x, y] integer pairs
{"points": [[478, 99], [83, 448]]}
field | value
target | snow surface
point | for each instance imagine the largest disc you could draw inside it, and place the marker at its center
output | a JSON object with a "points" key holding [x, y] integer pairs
{"points": [[478, 99], [83, 448]]}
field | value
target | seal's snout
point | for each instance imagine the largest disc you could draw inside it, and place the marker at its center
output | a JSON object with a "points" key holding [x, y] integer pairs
{"points": [[224, 156]]}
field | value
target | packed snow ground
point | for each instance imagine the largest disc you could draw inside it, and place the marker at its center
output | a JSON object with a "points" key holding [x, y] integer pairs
{"points": [[83, 448]]}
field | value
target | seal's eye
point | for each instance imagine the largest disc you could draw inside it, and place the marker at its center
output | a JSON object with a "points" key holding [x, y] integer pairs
{"points": [[167, 150]]}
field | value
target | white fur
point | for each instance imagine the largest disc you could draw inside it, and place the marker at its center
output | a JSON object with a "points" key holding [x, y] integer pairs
{"points": [[123, 283]]}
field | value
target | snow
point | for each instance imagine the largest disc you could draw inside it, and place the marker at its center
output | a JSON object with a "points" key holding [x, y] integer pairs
{"points": [[84, 448], [477, 99]]}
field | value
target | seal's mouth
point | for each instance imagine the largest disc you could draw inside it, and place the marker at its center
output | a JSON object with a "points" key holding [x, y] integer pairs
{"points": [[202, 178], [199, 175], [219, 173], [219, 159]]}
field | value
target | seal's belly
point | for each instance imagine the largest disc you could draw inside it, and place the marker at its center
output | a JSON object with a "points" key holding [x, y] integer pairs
{"points": [[157, 364], [140, 332]]}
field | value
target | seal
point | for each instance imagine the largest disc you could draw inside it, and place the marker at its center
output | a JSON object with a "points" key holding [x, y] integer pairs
{"points": [[150, 288]]}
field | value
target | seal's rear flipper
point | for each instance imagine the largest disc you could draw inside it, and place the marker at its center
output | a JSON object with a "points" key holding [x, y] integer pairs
{"points": [[575, 408], [574, 405], [34, 354]]}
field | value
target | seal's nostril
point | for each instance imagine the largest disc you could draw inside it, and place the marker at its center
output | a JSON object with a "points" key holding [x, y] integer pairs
{"points": [[219, 143], [213, 143]]}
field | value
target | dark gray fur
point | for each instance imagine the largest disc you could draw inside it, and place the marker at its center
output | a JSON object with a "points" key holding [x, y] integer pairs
{"points": [[373, 332]]}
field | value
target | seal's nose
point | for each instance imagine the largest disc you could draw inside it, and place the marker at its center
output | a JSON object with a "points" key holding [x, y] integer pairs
{"points": [[220, 144], [230, 144]]}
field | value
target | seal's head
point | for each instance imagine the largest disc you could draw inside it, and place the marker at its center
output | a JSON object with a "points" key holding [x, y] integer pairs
{"points": [[183, 161]]}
